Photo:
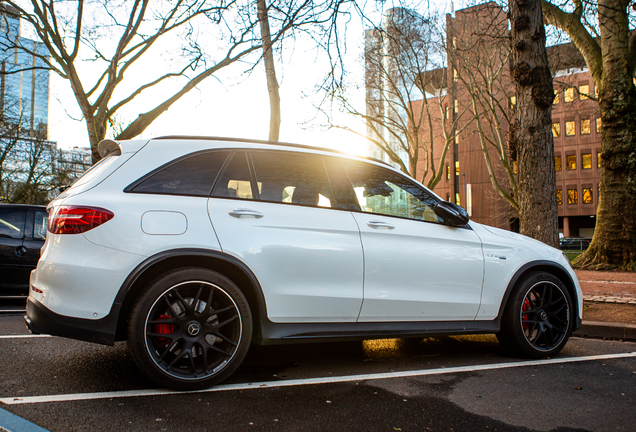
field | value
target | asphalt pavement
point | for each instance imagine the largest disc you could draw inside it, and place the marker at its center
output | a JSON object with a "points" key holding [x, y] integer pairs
{"points": [[435, 384]]}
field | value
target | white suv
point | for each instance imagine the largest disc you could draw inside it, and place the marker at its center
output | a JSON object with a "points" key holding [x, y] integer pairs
{"points": [[191, 249]]}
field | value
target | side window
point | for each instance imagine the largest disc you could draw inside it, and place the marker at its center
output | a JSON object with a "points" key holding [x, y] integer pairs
{"points": [[12, 223], [235, 182], [40, 225], [193, 175], [384, 192], [292, 178]]}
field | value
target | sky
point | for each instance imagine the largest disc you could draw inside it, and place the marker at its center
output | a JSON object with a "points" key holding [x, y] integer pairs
{"points": [[233, 103]]}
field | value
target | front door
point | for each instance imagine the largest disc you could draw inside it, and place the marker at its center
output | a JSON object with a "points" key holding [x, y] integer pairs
{"points": [[416, 267]]}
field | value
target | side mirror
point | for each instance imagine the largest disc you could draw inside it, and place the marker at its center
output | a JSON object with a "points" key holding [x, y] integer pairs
{"points": [[452, 214]]}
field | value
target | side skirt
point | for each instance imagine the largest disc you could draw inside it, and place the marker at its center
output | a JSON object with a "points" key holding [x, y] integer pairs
{"points": [[277, 333]]}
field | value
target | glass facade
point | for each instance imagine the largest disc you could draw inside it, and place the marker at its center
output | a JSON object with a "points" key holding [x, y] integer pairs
{"points": [[24, 87]]}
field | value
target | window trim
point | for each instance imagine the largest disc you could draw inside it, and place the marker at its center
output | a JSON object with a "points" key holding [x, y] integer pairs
{"points": [[130, 188]]}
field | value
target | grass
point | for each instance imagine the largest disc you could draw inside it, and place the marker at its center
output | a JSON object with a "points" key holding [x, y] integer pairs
{"points": [[572, 254]]}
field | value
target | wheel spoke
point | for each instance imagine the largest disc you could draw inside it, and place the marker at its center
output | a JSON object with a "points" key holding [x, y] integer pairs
{"points": [[177, 358], [162, 321], [204, 351], [168, 349], [161, 335], [224, 323], [225, 309], [215, 348], [192, 365], [209, 307], [197, 298], [219, 335], [174, 313], [186, 306]]}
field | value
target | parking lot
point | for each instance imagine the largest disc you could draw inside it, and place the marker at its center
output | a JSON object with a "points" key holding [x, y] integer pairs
{"points": [[438, 384]]}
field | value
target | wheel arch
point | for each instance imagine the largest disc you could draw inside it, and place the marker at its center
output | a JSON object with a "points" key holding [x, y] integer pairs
{"points": [[554, 269], [225, 264]]}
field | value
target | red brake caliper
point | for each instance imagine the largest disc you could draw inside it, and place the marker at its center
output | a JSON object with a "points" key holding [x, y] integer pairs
{"points": [[164, 329], [526, 306]]}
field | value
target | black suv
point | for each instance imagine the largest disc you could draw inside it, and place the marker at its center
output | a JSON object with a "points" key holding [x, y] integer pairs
{"points": [[22, 234]]}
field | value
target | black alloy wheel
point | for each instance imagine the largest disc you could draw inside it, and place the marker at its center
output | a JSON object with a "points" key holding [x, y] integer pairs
{"points": [[537, 321], [191, 329]]}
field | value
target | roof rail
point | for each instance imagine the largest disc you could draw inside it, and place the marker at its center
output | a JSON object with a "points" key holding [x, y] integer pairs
{"points": [[256, 141]]}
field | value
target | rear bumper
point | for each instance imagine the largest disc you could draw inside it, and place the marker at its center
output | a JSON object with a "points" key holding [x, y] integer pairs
{"points": [[40, 320]]}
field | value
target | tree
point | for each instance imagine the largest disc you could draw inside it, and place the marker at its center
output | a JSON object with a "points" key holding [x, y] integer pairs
{"points": [[270, 71], [480, 55], [119, 35], [531, 135], [406, 102], [601, 32]]}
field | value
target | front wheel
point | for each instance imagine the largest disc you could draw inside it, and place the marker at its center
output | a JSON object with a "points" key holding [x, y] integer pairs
{"points": [[538, 317], [190, 330]]}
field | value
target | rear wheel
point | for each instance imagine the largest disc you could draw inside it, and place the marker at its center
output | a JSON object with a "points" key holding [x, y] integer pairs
{"points": [[538, 318], [191, 329]]}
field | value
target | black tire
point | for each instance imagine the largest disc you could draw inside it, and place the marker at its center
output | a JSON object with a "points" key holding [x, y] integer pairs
{"points": [[538, 318], [190, 329]]}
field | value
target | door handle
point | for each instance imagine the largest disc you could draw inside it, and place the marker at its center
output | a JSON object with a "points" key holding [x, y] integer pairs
{"points": [[20, 251], [380, 225], [246, 213]]}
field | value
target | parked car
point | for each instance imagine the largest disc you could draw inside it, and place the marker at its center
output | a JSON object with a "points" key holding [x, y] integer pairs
{"points": [[191, 249], [575, 243], [22, 233]]}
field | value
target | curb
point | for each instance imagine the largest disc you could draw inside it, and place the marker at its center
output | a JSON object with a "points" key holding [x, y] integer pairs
{"points": [[605, 330]]}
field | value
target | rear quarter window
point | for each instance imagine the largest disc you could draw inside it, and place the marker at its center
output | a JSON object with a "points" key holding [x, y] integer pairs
{"points": [[190, 175]]}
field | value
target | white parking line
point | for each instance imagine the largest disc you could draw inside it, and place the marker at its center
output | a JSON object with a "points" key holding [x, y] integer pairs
{"points": [[309, 381], [24, 336]]}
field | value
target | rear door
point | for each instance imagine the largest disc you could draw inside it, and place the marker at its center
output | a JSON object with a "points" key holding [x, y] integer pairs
{"points": [[12, 226], [283, 220]]}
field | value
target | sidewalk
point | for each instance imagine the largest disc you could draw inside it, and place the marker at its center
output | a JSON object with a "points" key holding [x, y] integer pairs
{"points": [[609, 309]]}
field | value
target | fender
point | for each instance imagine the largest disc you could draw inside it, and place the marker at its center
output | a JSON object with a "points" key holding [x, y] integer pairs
{"points": [[543, 265], [119, 304]]}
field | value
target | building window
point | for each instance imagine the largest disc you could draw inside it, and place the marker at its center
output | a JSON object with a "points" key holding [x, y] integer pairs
{"points": [[598, 159], [586, 161], [556, 97], [570, 128], [557, 163], [573, 196], [455, 75], [456, 168], [447, 113], [457, 199], [515, 167], [513, 101], [559, 197], [568, 94], [456, 105], [447, 172], [571, 161], [587, 196], [456, 136], [598, 125], [585, 127], [584, 92], [556, 129]]}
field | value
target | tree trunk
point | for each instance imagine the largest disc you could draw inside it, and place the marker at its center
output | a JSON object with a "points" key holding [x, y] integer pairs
{"points": [[533, 117], [614, 242], [270, 72]]}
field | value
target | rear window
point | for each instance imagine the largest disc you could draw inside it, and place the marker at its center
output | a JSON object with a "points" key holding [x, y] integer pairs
{"points": [[192, 175]]}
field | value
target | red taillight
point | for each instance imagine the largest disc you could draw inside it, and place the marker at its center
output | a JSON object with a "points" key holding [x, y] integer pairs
{"points": [[76, 219]]}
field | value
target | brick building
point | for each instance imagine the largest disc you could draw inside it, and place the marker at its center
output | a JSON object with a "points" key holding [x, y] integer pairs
{"points": [[478, 101]]}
